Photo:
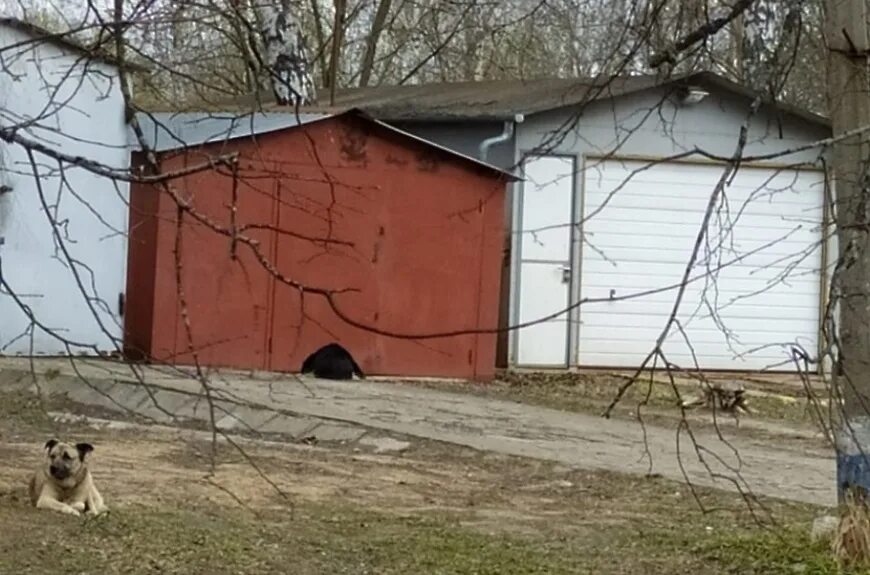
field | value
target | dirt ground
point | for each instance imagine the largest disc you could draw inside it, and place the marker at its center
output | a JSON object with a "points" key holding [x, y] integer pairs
{"points": [[780, 407], [292, 508]]}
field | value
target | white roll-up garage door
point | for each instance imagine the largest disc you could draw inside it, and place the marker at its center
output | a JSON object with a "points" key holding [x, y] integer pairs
{"points": [[757, 282]]}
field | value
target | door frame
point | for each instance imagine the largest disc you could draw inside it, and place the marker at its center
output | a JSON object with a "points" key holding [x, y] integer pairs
{"points": [[517, 259]]}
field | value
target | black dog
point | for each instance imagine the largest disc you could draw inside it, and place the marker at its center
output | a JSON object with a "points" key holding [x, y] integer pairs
{"points": [[332, 362]]}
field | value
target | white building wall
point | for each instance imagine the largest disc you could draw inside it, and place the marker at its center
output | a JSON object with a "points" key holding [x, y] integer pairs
{"points": [[74, 105]]}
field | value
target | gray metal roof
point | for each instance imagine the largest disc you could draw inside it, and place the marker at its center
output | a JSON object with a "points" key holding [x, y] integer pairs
{"points": [[483, 100], [164, 131], [502, 99], [172, 130]]}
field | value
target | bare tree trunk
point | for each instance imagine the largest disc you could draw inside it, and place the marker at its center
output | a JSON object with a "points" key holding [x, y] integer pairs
{"points": [[849, 101], [285, 57], [337, 41], [368, 62], [738, 33], [246, 45], [321, 41]]}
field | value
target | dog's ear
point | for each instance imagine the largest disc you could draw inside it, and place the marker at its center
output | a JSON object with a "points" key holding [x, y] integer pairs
{"points": [[50, 443], [84, 449]]}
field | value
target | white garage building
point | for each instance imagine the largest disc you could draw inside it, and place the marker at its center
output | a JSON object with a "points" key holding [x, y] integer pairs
{"points": [[611, 204], [63, 234]]}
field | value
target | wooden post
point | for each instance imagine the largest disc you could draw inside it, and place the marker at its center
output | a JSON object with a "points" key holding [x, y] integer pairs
{"points": [[849, 105]]}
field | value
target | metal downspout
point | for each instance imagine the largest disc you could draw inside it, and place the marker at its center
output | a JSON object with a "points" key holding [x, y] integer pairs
{"points": [[506, 135]]}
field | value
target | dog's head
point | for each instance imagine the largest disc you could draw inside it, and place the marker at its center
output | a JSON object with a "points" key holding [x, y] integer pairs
{"points": [[65, 462]]}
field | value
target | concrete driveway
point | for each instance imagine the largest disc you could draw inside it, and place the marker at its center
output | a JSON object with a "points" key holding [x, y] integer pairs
{"points": [[346, 410]]}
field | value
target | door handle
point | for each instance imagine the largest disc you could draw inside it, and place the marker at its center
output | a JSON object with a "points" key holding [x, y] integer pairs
{"points": [[566, 274]]}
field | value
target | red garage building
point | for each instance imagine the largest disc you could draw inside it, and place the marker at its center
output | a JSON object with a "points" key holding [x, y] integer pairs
{"points": [[346, 230]]}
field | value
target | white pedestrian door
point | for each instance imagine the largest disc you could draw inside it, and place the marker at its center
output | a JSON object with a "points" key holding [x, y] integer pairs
{"points": [[544, 279]]}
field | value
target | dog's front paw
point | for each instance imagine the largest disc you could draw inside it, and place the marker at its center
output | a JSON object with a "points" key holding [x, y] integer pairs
{"points": [[71, 511], [78, 506]]}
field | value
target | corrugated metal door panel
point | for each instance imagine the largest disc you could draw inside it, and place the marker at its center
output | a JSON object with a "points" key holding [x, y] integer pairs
{"points": [[755, 290]]}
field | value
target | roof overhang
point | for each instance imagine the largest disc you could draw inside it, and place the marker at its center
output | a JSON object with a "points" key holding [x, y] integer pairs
{"points": [[481, 164], [404, 108], [66, 41], [172, 131]]}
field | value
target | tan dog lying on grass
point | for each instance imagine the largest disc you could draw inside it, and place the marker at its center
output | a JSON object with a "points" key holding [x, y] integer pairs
{"points": [[64, 483]]}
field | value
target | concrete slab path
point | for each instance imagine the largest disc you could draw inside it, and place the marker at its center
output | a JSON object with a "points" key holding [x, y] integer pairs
{"points": [[343, 410]]}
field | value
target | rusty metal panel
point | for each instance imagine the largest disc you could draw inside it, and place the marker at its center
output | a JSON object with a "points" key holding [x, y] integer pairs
{"points": [[407, 239], [225, 288], [141, 260], [421, 244]]}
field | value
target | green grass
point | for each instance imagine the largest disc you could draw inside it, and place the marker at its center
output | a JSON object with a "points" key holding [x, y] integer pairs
{"points": [[318, 540], [331, 538], [787, 552]]}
